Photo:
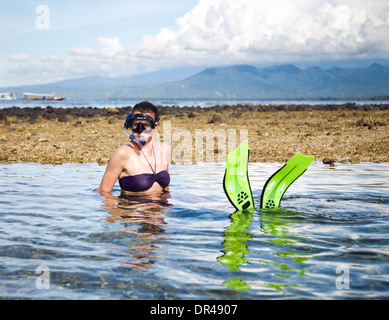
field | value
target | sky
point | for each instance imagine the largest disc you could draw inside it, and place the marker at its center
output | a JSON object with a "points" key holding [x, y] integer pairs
{"points": [[46, 41]]}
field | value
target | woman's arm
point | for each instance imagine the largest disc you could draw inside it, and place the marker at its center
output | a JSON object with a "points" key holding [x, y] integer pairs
{"points": [[114, 169], [166, 155], [167, 158]]}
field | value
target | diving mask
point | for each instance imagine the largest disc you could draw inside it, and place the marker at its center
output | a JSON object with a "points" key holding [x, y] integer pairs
{"points": [[139, 123]]}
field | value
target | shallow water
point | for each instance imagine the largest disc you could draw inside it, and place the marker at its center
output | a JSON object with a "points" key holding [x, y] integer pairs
{"points": [[59, 239], [104, 103]]}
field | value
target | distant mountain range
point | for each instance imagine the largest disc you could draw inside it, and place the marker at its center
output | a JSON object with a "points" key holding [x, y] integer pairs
{"points": [[235, 82]]}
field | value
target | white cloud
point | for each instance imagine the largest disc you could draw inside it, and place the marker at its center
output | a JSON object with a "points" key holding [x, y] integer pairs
{"points": [[219, 32], [110, 46], [19, 57], [82, 51], [229, 31], [51, 57]]}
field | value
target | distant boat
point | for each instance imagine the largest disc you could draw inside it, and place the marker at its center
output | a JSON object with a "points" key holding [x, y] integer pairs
{"points": [[8, 96], [41, 96]]}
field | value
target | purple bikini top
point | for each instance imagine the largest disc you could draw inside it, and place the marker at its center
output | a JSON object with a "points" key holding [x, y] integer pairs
{"points": [[144, 181]]}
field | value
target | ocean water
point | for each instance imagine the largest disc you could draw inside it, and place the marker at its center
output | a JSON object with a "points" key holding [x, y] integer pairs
{"points": [[60, 239], [118, 103]]}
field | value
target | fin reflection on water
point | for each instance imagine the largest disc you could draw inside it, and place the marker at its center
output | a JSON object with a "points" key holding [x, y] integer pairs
{"points": [[274, 226], [236, 236]]}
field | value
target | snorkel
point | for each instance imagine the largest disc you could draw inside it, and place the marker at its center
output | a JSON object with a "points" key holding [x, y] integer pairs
{"points": [[139, 127], [129, 135]]}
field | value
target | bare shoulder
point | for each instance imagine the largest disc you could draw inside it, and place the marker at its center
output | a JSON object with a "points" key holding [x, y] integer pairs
{"points": [[122, 153], [162, 146], [164, 149]]}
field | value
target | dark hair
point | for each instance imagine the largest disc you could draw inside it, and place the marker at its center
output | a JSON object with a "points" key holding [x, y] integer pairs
{"points": [[146, 106]]}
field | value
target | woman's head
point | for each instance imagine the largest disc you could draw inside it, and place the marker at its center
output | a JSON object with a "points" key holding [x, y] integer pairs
{"points": [[142, 121], [147, 107]]}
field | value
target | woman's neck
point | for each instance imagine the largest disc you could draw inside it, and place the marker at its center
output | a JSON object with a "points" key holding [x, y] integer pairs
{"points": [[147, 148]]}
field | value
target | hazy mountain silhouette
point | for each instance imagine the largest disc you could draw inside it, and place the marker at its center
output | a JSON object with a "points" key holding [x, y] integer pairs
{"points": [[234, 82]]}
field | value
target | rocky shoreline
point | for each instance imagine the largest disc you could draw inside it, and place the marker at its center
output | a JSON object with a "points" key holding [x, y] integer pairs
{"points": [[89, 112], [332, 133]]}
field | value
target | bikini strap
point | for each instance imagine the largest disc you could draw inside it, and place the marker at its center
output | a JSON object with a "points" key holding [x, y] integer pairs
{"points": [[155, 161]]}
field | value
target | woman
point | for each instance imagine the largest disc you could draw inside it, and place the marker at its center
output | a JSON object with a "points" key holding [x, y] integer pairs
{"points": [[140, 165]]}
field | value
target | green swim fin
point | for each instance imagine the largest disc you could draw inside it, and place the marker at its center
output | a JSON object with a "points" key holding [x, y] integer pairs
{"points": [[236, 181], [280, 181]]}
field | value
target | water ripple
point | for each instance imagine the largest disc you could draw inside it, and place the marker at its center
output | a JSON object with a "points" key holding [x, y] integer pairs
{"points": [[189, 243]]}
